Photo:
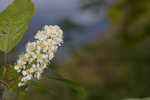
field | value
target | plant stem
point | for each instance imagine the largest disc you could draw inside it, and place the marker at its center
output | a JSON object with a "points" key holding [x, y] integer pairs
{"points": [[1, 93], [13, 79], [5, 59], [5, 65], [4, 83], [3, 77]]}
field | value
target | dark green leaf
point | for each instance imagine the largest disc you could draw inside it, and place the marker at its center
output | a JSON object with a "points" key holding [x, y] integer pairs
{"points": [[40, 87], [70, 83]]}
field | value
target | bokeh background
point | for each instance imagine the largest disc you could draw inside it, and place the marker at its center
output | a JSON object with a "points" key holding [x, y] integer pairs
{"points": [[106, 48]]}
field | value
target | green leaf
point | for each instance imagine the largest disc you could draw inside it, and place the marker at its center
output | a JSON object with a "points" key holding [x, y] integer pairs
{"points": [[38, 86], [75, 86], [21, 95], [14, 22], [41, 88]]}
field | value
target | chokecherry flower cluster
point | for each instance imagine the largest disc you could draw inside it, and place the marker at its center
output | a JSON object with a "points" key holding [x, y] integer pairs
{"points": [[38, 54]]}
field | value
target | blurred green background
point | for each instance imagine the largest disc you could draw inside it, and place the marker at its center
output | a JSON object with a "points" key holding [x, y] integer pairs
{"points": [[106, 49]]}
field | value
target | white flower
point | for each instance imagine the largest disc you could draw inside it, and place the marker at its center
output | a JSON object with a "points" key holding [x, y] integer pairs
{"points": [[50, 55], [24, 73], [16, 67], [40, 36], [20, 84], [31, 46], [21, 62], [38, 53], [44, 46], [37, 75]]}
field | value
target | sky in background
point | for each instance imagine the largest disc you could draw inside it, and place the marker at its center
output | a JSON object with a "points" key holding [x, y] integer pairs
{"points": [[52, 12], [54, 9]]}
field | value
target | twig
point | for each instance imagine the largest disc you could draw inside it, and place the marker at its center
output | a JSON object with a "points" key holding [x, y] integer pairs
{"points": [[5, 59], [5, 65], [4, 83], [13, 79]]}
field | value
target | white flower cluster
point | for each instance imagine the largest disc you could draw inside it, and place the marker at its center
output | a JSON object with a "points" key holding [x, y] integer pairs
{"points": [[39, 53]]}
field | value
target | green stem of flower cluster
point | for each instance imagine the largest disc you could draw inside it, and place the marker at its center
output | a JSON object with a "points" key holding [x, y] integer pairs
{"points": [[5, 59], [5, 65], [4, 71], [2, 82]]}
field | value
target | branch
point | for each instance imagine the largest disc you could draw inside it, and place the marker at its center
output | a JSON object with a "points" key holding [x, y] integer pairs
{"points": [[5, 59], [4, 83]]}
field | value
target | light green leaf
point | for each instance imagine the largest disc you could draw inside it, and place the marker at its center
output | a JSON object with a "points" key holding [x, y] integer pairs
{"points": [[14, 22], [70, 83]]}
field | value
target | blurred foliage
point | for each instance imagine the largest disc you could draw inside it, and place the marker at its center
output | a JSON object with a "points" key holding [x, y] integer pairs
{"points": [[133, 18], [117, 65], [94, 5], [69, 25]]}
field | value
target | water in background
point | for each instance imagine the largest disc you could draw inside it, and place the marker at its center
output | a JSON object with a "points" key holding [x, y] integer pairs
{"points": [[80, 26]]}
